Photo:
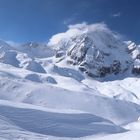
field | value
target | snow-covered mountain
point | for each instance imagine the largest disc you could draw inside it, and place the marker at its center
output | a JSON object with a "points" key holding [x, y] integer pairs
{"points": [[82, 84], [96, 50]]}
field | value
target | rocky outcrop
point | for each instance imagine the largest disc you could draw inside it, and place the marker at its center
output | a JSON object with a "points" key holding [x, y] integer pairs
{"points": [[92, 60], [136, 70]]}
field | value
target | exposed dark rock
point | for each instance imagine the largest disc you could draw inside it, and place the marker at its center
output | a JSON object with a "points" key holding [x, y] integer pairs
{"points": [[116, 67], [59, 54], [104, 71], [138, 56], [70, 62], [83, 69], [91, 74], [135, 70], [131, 50]]}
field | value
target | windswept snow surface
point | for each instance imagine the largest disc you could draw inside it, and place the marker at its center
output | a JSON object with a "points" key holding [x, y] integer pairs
{"points": [[29, 119], [44, 95]]}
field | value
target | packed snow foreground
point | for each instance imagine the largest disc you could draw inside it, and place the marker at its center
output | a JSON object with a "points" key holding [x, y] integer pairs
{"points": [[81, 85]]}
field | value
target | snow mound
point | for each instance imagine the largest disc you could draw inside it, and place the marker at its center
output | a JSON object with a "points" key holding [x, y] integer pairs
{"points": [[9, 57], [51, 80], [68, 72], [54, 124], [33, 77], [34, 66]]}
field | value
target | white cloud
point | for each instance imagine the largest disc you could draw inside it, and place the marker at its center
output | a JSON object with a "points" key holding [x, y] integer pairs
{"points": [[56, 38], [116, 15], [77, 29], [71, 19], [78, 26], [85, 27], [68, 21]]}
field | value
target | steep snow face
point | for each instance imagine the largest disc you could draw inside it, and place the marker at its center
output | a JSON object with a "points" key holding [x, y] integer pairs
{"points": [[9, 57], [95, 49]]}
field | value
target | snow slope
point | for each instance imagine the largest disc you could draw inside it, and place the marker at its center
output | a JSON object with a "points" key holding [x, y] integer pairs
{"points": [[27, 119]]}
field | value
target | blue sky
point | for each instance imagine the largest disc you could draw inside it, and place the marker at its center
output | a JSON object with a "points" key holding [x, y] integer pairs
{"points": [[38, 20]]}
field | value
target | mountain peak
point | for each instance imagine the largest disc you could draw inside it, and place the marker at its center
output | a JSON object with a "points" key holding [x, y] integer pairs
{"points": [[95, 49]]}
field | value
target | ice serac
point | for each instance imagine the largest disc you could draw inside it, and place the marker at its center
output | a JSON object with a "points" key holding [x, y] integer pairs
{"points": [[96, 50]]}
